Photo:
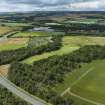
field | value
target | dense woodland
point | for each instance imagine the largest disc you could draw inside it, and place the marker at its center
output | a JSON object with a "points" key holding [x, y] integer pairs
{"points": [[7, 98], [79, 27], [25, 52], [40, 78]]}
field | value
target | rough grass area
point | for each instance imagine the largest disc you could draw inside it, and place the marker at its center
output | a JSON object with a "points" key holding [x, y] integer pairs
{"points": [[83, 40], [13, 43], [69, 44], [90, 87], [4, 30], [33, 34]]}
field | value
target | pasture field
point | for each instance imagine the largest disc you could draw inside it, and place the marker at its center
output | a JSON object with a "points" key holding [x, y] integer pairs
{"points": [[86, 82], [13, 43], [4, 30], [69, 44], [33, 34]]}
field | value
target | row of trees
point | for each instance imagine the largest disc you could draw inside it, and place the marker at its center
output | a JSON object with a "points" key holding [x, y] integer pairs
{"points": [[7, 98], [40, 78], [78, 27], [25, 52]]}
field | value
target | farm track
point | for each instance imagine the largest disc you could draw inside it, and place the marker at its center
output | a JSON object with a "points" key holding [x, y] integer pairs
{"points": [[84, 99], [20, 92]]}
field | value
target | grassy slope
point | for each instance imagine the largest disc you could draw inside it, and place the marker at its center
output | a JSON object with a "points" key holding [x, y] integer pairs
{"points": [[92, 86], [69, 44]]}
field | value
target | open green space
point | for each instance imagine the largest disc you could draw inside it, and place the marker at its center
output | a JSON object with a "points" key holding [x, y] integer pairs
{"points": [[69, 44], [32, 34], [91, 86]]}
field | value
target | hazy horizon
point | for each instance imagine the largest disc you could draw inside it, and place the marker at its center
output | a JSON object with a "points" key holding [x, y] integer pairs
{"points": [[51, 5]]}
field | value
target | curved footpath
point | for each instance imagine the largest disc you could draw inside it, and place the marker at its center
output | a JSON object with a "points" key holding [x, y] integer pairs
{"points": [[20, 92]]}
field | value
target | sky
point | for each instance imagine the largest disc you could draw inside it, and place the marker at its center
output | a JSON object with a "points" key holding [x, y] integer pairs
{"points": [[51, 5]]}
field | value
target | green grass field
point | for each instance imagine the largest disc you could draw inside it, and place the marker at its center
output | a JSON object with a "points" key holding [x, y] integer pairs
{"points": [[69, 44], [13, 43], [32, 34], [91, 86]]}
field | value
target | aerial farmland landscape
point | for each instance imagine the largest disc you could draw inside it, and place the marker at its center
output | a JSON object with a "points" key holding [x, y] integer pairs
{"points": [[52, 52]]}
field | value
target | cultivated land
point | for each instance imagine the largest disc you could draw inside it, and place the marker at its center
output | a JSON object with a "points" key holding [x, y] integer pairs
{"points": [[4, 30], [13, 43], [85, 85], [69, 44]]}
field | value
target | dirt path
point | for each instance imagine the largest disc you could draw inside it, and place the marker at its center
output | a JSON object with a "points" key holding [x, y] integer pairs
{"points": [[84, 99], [68, 90]]}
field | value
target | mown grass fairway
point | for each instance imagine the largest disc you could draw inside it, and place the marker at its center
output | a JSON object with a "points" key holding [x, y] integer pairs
{"points": [[69, 44], [91, 86], [13, 43]]}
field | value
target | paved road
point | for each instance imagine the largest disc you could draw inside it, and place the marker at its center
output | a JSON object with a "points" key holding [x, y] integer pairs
{"points": [[20, 92]]}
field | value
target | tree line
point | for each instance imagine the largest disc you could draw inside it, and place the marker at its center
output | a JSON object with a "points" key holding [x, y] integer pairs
{"points": [[40, 78], [25, 52], [7, 98]]}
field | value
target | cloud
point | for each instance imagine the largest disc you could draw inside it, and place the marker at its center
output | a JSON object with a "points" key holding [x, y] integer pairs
{"points": [[89, 5], [53, 5]]}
